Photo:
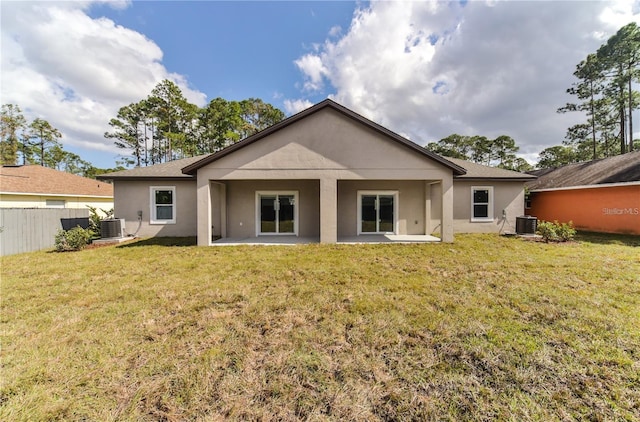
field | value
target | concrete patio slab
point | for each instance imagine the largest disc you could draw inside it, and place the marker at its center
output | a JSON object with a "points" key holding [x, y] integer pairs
{"points": [[388, 238], [350, 240]]}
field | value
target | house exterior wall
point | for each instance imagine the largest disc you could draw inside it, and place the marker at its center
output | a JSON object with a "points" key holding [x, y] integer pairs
{"points": [[326, 147], [9, 200], [131, 196], [606, 209], [411, 204], [508, 196], [241, 205]]}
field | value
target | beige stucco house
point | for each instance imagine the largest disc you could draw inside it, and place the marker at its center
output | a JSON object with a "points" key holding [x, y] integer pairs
{"points": [[325, 174]]}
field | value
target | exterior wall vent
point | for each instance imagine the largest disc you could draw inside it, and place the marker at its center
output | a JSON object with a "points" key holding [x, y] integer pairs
{"points": [[112, 229]]}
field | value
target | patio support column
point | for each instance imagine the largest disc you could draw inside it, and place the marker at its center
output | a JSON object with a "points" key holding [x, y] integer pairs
{"points": [[427, 207], [203, 212], [218, 209], [328, 210], [447, 210]]}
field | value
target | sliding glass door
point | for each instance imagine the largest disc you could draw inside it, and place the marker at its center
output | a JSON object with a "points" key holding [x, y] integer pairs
{"points": [[276, 213], [377, 212]]}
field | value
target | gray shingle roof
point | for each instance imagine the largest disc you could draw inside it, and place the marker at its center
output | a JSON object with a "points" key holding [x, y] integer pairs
{"points": [[481, 172], [619, 169], [170, 170]]}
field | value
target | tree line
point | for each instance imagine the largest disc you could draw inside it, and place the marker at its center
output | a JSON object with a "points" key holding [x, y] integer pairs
{"points": [[165, 126], [38, 142], [604, 92], [499, 152]]}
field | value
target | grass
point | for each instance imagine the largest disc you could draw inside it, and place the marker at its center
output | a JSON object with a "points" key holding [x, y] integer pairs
{"points": [[487, 328]]}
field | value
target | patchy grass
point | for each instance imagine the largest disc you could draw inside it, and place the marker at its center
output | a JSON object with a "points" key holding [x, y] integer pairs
{"points": [[487, 328]]}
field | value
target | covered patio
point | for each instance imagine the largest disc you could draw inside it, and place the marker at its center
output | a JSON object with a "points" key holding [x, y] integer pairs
{"points": [[325, 175]]}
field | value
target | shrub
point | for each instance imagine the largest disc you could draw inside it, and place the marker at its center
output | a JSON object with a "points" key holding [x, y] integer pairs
{"points": [[566, 231], [547, 230], [95, 218], [556, 232], [72, 240]]}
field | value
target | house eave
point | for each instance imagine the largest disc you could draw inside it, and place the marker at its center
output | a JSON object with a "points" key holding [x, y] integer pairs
{"points": [[73, 195], [602, 185], [148, 178], [495, 179]]}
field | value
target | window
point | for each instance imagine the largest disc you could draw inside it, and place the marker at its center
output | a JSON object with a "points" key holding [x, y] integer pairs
{"points": [[55, 203], [377, 212], [163, 205], [276, 213], [482, 203]]}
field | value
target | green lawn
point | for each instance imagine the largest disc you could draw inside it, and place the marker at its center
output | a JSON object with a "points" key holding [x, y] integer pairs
{"points": [[487, 328]]}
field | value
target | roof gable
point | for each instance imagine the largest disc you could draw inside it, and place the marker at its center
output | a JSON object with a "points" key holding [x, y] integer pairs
{"points": [[36, 179], [326, 104]]}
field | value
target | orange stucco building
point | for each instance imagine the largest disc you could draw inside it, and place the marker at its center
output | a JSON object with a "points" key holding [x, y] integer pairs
{"points": [[611, 208], [601, 195]]}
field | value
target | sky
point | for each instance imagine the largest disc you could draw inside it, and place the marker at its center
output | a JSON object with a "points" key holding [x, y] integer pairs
{"points": [[422, 69]]}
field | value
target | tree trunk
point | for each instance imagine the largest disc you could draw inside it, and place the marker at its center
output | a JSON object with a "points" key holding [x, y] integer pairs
{"points": [[630, 113], [622, 106], [41, 150], [623, 143], [593, 123]]}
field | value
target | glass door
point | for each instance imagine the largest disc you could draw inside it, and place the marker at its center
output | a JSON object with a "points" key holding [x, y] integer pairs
{"points": [[286, 215], [277, 213], [377, 213], [268, 221]]}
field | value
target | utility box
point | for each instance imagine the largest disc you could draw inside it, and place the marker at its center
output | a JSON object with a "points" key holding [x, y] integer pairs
{"points": [[526, 224], [112, 229], [70, 223]]}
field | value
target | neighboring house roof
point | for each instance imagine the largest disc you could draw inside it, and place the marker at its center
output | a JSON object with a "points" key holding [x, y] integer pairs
{"points": [[35, 179], [191, 169], [619, 169], [481, 172], [169, 170]]}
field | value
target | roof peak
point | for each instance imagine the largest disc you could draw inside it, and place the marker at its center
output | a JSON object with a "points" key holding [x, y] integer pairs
{"points": [[326, 103]]}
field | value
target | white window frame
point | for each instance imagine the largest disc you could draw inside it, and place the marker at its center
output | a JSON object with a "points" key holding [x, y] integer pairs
{"points": [[152, 204], [296, 208], [396, 207], [489, 204]]}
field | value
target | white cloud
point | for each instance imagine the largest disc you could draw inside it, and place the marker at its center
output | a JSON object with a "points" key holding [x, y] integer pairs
{"points": [[429, 69], [335, 31], [311, 65], [60, 64], [295, 106]]}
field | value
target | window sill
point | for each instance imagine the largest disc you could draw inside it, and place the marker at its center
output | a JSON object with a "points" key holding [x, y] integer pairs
{"points": [[161, 223]]}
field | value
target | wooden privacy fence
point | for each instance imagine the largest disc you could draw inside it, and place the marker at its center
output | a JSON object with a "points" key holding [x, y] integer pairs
{"points": [[32, 229]]}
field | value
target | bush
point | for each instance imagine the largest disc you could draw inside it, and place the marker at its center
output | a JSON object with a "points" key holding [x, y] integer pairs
{"points": [[72, 240], [566, 231], [95, 218], [556, 232]]}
